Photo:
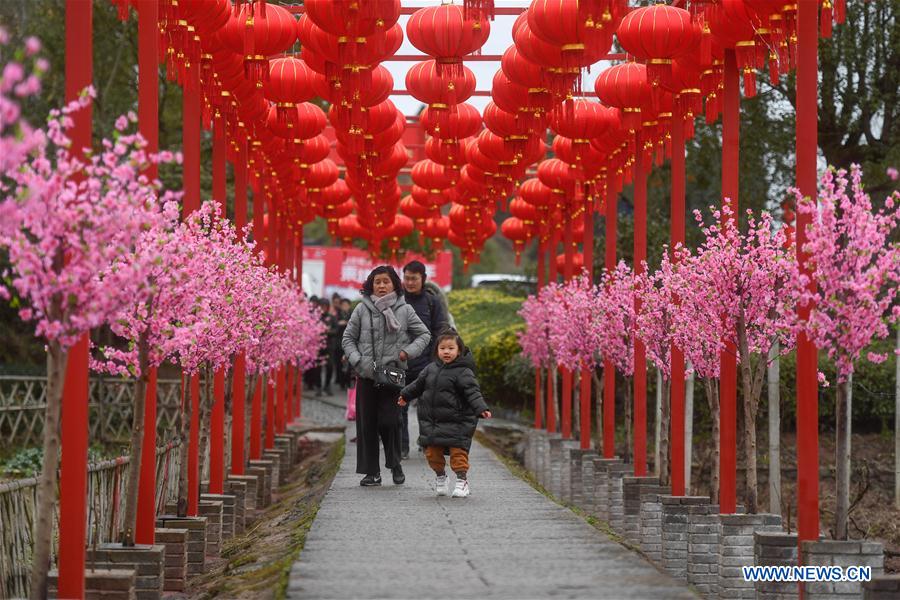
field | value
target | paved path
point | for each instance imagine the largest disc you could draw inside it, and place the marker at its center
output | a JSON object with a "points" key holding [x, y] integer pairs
{"points": [[505, 541]]}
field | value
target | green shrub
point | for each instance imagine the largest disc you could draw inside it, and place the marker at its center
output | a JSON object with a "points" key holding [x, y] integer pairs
{"points": [[488, 321]]}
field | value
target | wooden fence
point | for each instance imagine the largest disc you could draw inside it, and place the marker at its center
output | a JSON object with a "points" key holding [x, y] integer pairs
{"points": [[24, 398], [107, 482]]}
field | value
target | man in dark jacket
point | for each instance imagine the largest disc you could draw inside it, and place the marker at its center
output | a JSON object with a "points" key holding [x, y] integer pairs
{"points": [[431, 312]]}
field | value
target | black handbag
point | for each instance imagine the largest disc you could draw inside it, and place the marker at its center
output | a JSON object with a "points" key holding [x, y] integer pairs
{"points": [[389, 377]]}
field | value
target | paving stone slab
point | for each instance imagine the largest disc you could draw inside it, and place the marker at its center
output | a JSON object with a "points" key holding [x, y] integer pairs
{"points": [[505, 541]]}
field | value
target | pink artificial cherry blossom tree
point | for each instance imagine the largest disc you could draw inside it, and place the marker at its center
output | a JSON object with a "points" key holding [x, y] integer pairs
{"points": [[65, 222], [856, 261]]}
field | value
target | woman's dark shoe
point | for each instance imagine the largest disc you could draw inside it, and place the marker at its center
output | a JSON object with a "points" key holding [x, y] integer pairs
{"points": [[398, 475], [372, 480]]}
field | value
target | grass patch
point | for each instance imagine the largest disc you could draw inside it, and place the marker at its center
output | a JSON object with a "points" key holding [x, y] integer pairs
{"points": [[258, 563]]}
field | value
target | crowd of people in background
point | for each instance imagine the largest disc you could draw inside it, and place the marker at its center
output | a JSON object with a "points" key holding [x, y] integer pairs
{"points": [[332, 368]]}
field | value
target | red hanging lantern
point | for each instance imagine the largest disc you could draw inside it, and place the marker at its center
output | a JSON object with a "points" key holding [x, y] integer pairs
{"points": [[439, 90], [303, 121], [657, 35], [459, 121], [436, 229], [625, 87], [256, 32], [289, 83], [518, 233], [352, 18], [416, 211], [432, 176], [447, 34]]}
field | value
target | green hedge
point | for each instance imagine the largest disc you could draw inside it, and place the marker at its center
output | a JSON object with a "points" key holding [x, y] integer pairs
{"points": [[488, 323]]}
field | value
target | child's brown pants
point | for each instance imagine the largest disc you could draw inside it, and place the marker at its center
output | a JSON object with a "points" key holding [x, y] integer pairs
{"points": [[459, 459]]}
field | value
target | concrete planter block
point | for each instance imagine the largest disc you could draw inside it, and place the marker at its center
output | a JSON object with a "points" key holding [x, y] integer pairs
{"points": [[228, 503], [145, 560], [882, 587], [674, 523], [703, 544], [251, 485], [108, 584], [565, 470], [266, 473], [842, 554], [196, 539], [238, 489], [289, 453], [545, 458], [775, 549], [277, 456], [601, 486], [554, 466], [213, 510], [735, 549], [651, 527], [615, 494], [583, 481], [633, 490], [175, 562]]}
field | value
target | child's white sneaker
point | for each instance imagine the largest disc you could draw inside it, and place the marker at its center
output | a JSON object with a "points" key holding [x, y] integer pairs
{"points": [[442, 485], [462, 488]]}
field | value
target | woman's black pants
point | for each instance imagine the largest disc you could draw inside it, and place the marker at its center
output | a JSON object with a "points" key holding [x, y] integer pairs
{"points": [[377, 416]]}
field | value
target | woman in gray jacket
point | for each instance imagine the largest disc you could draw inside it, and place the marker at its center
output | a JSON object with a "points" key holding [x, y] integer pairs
{"points": [[384, 329]]}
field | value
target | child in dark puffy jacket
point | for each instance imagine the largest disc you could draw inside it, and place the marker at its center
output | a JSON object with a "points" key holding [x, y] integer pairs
{"points": [[450, 403]]}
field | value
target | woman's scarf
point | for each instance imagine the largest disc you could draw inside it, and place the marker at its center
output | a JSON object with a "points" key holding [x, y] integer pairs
{"points": [[384, 304]]}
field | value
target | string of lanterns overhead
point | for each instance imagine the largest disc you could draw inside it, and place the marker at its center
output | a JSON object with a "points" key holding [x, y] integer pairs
{"points": [[241, 57]]}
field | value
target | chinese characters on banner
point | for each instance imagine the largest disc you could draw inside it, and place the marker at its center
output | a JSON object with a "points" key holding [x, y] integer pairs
{"points": [[329, 270]]}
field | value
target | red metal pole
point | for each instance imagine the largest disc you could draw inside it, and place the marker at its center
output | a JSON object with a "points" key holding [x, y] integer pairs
{"points": [[217, 414], [609, 371], [239, 377], [217, 435], [256, 421], [807, 356], [75, 415], [551, 395], [731, 123], [279, 399], [289, 394], [640, 355], [270, 411], [148, 123], [676, 234], [567, 375], [587, 252], [299, 411], [238, 414], [538, 384]]}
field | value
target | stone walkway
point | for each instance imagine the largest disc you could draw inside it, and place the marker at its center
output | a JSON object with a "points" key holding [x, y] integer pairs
{"points": [[505, 541]]}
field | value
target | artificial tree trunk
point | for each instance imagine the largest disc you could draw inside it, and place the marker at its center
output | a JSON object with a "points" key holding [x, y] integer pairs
{"points": [[553, 400], [688, 431], [183, 434], [576, 401], [843, 413], [129, 518], [774, 414], [598, 403], [47, 482], [752, 372], [712, 397], [205, 422], [657, 420], [664, 413], [627, 413], [897, 422]]}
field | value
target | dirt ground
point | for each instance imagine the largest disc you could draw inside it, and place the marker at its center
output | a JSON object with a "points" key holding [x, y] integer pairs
{"points": [[873, 514], [256, 564]]}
